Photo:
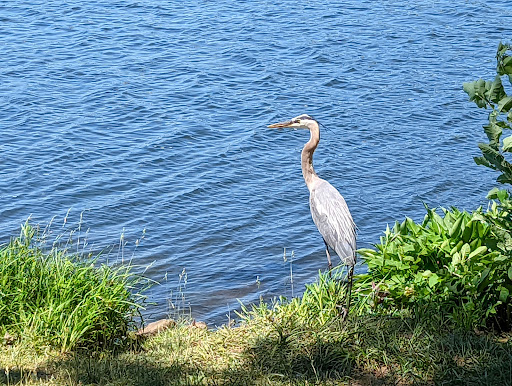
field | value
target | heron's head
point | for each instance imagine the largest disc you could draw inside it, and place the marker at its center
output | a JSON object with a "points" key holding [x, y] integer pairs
{"points": [[303, 121]]}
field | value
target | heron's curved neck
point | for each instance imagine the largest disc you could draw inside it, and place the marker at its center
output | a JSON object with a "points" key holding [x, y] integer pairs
{"points": [[307, 156]]}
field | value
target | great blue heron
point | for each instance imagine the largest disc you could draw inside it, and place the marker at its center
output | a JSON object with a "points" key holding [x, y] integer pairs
{"points": [[328, 207]]}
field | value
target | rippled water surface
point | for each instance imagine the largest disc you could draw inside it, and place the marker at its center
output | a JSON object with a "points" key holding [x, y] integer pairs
{"points": [[151, 117]]}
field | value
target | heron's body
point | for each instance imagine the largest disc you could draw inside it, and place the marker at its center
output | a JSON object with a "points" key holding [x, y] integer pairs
{"points": [[329, 210], [332, 218]]}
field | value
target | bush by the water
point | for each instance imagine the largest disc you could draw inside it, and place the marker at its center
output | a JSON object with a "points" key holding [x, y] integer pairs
{"points": [[53, 298], [493, 95], [458, 264]]}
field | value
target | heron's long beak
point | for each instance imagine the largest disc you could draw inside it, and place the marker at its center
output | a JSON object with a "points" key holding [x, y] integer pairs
{"points": [[280, 124]]}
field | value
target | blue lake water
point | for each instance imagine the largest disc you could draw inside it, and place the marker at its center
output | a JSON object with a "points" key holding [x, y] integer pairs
{"points": [[146, 120]]}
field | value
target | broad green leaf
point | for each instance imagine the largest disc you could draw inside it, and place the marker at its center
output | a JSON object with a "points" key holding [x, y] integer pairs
{"points": [[505, 104], [476, 92], [455, 229], [433, 280], [504, 292], [468, 231], [457, 247], [503, 195], [493, 132], [510, 273], [491, 155], [507, 144], [500, 258], [504, 179], [478, 251], [456, 258], [493, 193], [412, 225], [496, 91], [505, 66], [477, 242], [484, 162], [464, 251], [366, 252], [483, 277]]}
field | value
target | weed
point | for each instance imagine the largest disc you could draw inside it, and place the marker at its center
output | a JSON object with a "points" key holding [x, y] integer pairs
{"points": [[54, 298]]}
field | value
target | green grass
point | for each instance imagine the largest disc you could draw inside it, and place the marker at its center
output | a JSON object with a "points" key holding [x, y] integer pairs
{"points": [[364, 351], [61, 300], [283, 344]]}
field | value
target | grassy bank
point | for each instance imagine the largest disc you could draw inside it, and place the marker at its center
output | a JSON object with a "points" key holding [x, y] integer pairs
{"points": [[301, 341], [369, 350]]}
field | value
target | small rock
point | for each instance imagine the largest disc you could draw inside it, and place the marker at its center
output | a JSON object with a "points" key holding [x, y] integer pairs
{"points": [[156, 327], [8, 339], [201, 325]]}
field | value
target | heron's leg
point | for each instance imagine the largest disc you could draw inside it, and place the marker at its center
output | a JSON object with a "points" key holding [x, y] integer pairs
{"points": [[349, 292], [328, 257]]}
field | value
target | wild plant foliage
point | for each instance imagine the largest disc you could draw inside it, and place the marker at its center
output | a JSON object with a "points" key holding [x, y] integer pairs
{"points": [[492, 94], [54, 298], [459, 263], [319, 305]]}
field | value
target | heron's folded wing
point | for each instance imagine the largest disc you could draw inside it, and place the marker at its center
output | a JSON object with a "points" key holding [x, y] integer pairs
{"points": [[333, 219]]}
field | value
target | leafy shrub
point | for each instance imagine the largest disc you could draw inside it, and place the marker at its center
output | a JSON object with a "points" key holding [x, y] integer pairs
{"points": [[63, 300], [492, 94], [456, 263]]}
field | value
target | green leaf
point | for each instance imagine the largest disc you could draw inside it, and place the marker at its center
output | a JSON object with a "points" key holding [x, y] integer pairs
{"points": [[505, 104], [491, 155], [478, 251], [507, 144], [504, 292], [366, 252], [482, 282], [500, 257], [468, 231], [484, 162], [493, 132], [504, 179], [457, 247], [433, 280], [503, 195], [426, 273], [505, 65], [476, 92], [456, 258], [496, 91], [455, 229], [493, 194], [464, 251], [510, 273]]}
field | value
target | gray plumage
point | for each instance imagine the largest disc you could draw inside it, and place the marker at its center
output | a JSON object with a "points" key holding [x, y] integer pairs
{"points": [[334, 222], [329, 210]]}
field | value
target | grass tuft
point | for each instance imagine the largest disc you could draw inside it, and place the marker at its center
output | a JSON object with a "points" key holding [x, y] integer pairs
{"points": [[64, 301]]}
